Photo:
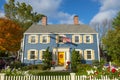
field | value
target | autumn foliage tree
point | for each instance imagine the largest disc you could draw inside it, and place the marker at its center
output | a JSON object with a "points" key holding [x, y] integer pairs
{"points": [[10, 36]]}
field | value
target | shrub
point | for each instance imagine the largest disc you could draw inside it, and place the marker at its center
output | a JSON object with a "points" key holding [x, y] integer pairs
{"points": [[47, 59], [75, 60], [16, 64], [45, 73], [82, 68], [33, 67]]}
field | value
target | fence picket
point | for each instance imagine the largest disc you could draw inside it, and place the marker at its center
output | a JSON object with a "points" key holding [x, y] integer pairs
{"points": [[60, 77]]}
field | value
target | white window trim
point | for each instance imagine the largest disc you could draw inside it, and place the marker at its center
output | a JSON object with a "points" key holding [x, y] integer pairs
{"points": [[80, 40], [91, 54], [41, 40], [90, 39], [36, 54], [36, 39], [40, 56], [80, 51], [62, 36]]}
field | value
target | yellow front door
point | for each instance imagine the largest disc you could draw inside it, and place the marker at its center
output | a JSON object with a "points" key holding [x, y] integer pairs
{"points": [[61, 58]]}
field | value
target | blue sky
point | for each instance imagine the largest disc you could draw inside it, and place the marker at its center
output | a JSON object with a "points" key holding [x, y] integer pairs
{"points": [[62, 11]]}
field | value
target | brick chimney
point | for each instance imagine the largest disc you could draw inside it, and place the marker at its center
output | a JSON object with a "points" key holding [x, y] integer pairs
{"points": [[76, 20], [44, 20]]}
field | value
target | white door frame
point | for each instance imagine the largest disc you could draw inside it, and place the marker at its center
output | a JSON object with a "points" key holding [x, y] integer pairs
{"points": [[66, 56]]}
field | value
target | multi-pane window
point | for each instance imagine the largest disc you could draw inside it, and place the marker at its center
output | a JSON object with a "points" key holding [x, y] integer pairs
{"points": [[32, 39], [32, 54], [41, 54], [89, 54], [76, 39], [44, 39], [87, 39], [60, 39]]}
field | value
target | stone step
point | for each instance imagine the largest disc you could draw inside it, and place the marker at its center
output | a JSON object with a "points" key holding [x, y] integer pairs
{"points": [[58, 68]]}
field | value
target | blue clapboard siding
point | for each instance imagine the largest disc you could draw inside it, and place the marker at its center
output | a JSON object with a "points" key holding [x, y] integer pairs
{"points": [[53, 44]]}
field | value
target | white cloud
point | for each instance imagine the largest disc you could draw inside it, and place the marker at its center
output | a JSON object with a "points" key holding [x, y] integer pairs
{"points": [[2, 14], [108, 11], [51, 9], [66, 18]]}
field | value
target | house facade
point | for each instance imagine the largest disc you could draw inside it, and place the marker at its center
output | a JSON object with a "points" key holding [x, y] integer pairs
{"points": [[62, 40]]}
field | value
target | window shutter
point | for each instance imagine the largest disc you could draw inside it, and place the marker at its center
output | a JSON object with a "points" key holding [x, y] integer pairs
{"points": [[84, 38], [40, 38], [73, 38], [81, 52], [40, 54], [93, 55], [80, 39], [36, 39], [29, 39], [48, 39], [28, 54], [91, 37], [85, 54], [57, 39], [36, 54]]}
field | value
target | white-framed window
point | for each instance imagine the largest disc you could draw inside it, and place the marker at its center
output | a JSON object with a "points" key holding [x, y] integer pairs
{"points": [[32, 54], [59, 38], [80, 53], [44, 39], [76, 38], [88, 38], [89, 54], [33, 39], [41, 54]]}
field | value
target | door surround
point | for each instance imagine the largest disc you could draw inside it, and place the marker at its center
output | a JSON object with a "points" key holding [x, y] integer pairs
{"points": [[66, 52]]}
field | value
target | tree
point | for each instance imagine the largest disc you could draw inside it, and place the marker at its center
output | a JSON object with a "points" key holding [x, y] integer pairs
{"points": [[10, 35], [112, 44], [111, 41], [116, 21], [21, 13], [75, 60], [47, 59]]}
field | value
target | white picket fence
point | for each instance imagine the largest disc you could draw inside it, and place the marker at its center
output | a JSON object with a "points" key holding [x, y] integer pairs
{"points": [[72, 76]]}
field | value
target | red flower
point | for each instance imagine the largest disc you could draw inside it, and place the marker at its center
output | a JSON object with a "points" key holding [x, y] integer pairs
{"points": [[96, 73], [53, 62], [113, 70], [68, 62]]}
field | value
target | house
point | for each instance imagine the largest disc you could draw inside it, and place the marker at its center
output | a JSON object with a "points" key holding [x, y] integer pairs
{"points": [[61, 39]]}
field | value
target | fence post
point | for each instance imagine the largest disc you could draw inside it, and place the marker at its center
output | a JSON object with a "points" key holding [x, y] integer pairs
{"points": [[2, 76], [72, 76]]}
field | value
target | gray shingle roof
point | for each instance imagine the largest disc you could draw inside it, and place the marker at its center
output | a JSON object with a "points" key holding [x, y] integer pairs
{"points": [[63, 28]]}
